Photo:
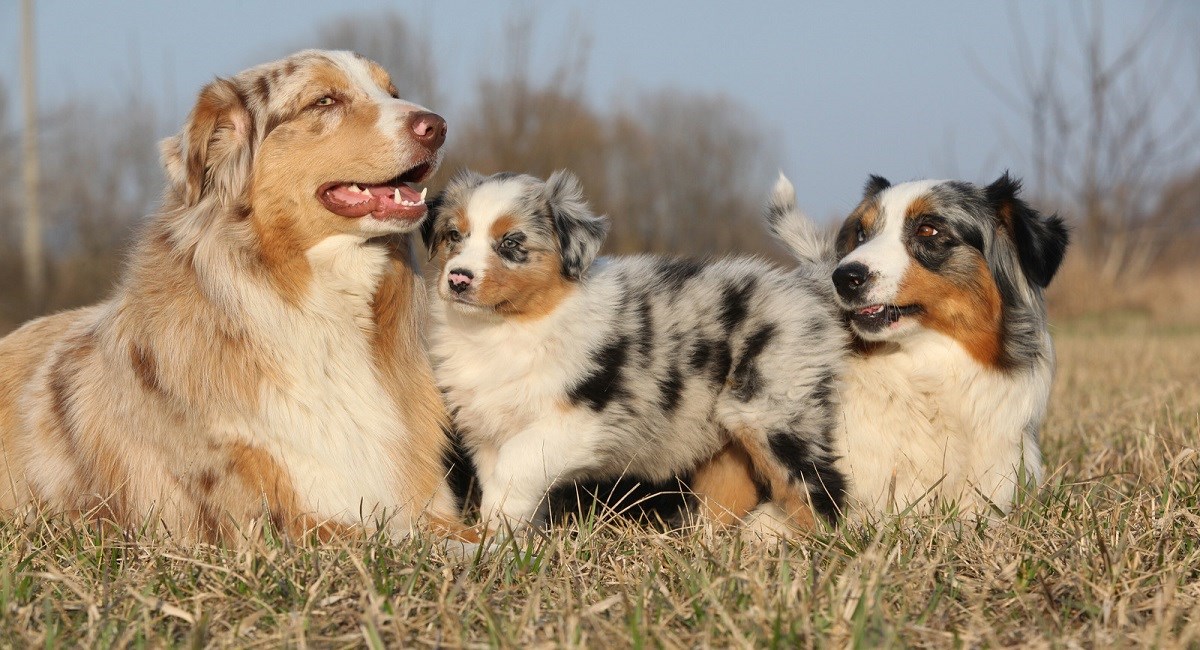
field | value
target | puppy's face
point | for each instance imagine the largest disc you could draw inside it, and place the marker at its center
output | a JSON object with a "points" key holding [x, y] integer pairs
{"points": [[944, 256], [313, 145], [511, 245]]}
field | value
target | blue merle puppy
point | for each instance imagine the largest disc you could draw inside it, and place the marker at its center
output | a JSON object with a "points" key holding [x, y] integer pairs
{"points": [[559, 367]]}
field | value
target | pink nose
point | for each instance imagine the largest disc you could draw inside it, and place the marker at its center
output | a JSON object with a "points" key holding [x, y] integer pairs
{"points": [[460, 280], [429, 129]]}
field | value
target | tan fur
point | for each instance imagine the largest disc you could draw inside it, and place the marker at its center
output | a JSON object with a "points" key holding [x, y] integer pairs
{"points": [[145, 407], [725, 486], [529, 292], [968, 311], [786, 493]]}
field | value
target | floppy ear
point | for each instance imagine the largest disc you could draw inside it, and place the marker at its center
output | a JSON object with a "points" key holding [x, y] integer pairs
{"points": [[875, 185], [1041, 241], [211, 155], [456, 191], [580, 233], [428, 230]]}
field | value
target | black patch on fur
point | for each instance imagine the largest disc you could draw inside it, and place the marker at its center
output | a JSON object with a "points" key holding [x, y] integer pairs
{"points": [[647, 503], [747, 380], [517, 254], [734, 304], [1041, 241], [676, 272], [461, 473], [826, 485], [722, 360], [822, 392], [670, 389], [874, 185], [645, 327], [605, 382], [427, 224], [698, 356]]}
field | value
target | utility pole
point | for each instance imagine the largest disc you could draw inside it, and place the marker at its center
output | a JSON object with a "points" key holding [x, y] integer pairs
{"points": [[35, 264]]}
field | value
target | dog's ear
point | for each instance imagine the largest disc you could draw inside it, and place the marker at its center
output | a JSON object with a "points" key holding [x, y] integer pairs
{"points": [[875, 185], [457, 191], [580, 233], [211, 156], [429, 233], [1041, 241]]}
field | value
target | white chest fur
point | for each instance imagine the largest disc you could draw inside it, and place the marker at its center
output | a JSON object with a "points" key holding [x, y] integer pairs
{"points": [[327, 418], [929, 415], [499, 376]]}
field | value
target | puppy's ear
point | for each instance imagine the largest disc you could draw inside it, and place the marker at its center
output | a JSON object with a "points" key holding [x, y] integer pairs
{"points": [[580, 233], [875, 185], [1041, 241], [211, 155], [429, 233]]}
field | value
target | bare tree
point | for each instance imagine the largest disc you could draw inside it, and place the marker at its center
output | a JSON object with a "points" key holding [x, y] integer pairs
{"points": [[677, 172], [35, 265], [691, 174], [1108, 129]]}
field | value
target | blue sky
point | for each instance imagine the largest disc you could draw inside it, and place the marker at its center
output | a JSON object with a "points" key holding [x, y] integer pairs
{"points": [[844, 89]]}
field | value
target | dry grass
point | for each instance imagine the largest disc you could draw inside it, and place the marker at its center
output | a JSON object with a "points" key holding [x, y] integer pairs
{"points": [[1107, 553]]}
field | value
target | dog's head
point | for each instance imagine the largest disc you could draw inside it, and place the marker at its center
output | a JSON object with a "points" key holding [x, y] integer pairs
{"points": [[313, 145], [512, 245], [947, 256]]}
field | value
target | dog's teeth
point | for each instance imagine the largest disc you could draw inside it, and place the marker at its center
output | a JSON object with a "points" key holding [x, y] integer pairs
{"points": [[396, 195], [354, 188], [423, 191]]}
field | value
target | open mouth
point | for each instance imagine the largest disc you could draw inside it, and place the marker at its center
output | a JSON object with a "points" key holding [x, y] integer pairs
{"points": [[877, 317], [392, 199]]}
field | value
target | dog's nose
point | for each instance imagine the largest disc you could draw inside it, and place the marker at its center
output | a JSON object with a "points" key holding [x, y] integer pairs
{"points": [[460, 280], [429, 129], [851, 279]]}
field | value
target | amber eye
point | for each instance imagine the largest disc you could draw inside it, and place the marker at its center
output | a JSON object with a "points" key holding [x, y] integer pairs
{"points": [[927, 230], [325, 101]]}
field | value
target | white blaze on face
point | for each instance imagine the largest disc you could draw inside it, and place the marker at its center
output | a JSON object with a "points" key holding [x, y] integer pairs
{"points": [[393, 113], [488, 203], [884, 254]]}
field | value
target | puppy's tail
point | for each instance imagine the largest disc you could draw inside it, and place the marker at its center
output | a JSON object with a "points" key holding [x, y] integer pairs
{"points": [[794, 229]]}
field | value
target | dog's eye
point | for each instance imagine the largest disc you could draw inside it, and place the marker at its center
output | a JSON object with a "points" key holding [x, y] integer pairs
{"points": [[508, 244], [454, 236], [926, 230], [325, 101], [862, 235]]}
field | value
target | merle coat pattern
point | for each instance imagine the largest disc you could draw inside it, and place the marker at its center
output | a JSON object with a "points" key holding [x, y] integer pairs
{"points": [[558, 369]]}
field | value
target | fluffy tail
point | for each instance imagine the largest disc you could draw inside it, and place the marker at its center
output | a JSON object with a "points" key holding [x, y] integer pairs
{"points": [[795, 230]]}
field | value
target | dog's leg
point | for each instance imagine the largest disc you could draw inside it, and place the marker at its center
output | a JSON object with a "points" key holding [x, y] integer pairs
{"points": [[516, 478], [726, 487], [782, 472]]}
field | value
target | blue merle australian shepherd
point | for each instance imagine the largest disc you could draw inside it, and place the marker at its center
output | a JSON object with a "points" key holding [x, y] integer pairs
{"points": [[941, 402], [559, 367]]}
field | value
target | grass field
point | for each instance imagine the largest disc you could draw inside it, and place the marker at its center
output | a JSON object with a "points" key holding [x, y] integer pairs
{"points": [[1106, 554]]}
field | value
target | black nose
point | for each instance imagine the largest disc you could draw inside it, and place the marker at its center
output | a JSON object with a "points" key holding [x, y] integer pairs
{"points": [[460, 280], [851, 279]]}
